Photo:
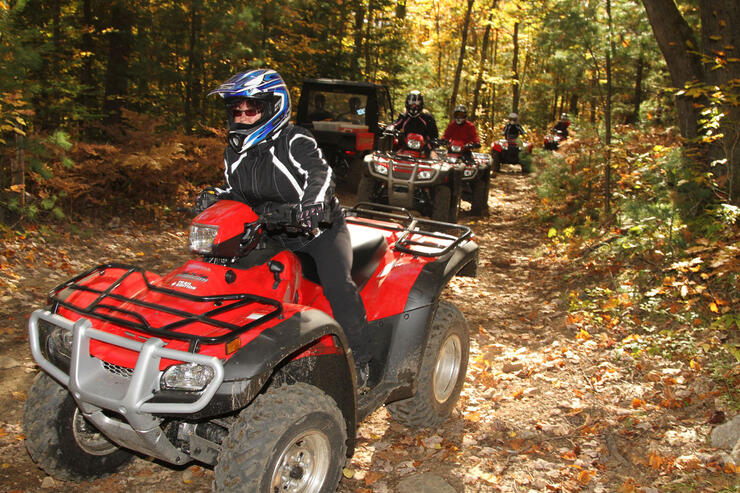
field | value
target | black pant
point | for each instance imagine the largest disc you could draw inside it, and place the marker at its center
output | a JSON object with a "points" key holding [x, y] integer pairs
{"points": [[332, 253]]}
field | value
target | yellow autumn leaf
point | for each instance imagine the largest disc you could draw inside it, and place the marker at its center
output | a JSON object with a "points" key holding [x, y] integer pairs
{"points": [[348, 473], [713, 307]]}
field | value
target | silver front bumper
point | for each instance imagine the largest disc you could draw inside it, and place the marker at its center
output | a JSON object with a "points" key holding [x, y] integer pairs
{"points": [[96, 389]]}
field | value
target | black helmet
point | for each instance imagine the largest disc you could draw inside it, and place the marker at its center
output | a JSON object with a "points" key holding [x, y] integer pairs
{"points": [[414, 103], [460, 108]]}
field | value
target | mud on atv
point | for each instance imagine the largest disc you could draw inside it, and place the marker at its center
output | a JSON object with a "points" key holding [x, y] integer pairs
{"points": [[234, 360], [410, 177]]}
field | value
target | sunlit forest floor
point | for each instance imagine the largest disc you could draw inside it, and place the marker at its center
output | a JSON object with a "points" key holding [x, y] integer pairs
{"points": [[546, 407]]}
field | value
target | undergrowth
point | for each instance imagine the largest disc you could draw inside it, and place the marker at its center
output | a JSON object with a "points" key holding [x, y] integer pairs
{"points": [[659, 285]]}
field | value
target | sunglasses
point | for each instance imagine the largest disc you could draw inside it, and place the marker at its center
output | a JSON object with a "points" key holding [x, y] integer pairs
{"points": [[248, 112]]}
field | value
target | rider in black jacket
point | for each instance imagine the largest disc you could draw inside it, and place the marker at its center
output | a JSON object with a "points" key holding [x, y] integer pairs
{"points": [[270, 163], [513, 130], [416, 120]]}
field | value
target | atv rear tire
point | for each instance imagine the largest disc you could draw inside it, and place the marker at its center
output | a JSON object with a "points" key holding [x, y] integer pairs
{"points": [[61, 441], [366, 190], [292, 438], [479, 199], [442, 372], [442, 203]]}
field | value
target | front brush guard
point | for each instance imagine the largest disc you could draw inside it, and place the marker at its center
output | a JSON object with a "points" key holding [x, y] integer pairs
{"points": [[96, 389]]}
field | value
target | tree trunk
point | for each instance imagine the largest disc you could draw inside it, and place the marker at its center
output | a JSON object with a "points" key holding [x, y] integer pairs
{"points": [[482, 64], [194, 89], [515, 71], [637, 97], [608, 118], [358, 38], [573, 105], [705, 69], [120, 44], [679, 47], [720, 37], [461, 58]]}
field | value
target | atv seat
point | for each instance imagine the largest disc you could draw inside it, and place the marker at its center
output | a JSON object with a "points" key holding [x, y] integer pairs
{"points": [[368, 248]]}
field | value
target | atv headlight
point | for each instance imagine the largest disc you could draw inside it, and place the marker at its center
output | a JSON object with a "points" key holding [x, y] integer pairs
{"points": [[468, 172], [187, 376], [414, 144], [451, 159], [381, 169], [201, 238], [425, 175], [60, 342], [456, 148]]}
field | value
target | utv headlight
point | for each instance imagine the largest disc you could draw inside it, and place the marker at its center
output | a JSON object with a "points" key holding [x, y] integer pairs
{"points": [[455, 148], [381, 169], [201, 238], [187, 376], [425, 175]]}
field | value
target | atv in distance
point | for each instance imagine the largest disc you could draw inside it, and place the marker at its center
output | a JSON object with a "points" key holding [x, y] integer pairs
{"points": [[412, 177], [346, 118], [234, 360], [506, 151], [476, 175]]}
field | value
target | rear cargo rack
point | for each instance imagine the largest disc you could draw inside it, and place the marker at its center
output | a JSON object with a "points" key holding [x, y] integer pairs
{"points": [[416, 234], [98, 307]]}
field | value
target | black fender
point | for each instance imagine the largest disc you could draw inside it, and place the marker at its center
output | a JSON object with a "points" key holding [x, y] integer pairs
{"points": [[248, 371]]}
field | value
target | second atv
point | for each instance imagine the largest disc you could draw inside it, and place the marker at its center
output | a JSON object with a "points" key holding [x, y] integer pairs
{"points": [[234, 360]]}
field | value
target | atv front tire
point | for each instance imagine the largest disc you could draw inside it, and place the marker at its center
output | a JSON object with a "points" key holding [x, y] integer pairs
{"points": [[479, 199], [442, 372], [61, 441], [442, 202], [366, 189], [292, 438]]}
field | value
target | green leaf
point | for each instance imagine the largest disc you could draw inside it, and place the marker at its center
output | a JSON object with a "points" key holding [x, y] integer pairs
{"points": [[47, 203]]}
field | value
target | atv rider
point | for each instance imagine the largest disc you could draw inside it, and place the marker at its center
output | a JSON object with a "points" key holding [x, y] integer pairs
{"points": [[460, 128], [272, 164], [417, 121], [562, 125], [512, 130]]}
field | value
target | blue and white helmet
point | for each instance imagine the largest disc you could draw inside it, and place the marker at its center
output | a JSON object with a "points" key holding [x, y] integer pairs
{"points": [[264, 86]]}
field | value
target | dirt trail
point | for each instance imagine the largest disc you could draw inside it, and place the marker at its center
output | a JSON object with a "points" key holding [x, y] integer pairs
{"points": [[541, 410]]}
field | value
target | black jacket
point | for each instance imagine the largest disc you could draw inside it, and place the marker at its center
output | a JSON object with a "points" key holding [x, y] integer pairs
{"points": [[513, 131], [423, 124], [289, 169]]}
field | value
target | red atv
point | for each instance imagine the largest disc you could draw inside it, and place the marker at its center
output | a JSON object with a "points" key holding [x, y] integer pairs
{"points": [[412, 177], [553, 139], [476, 175], [506, 151], [234, 360]]}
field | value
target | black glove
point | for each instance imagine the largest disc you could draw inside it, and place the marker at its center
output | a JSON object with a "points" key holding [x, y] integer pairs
{"points": [[206, 198], [311, 216]]}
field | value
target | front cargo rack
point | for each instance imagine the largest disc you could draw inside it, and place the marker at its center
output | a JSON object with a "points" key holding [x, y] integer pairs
{"points": [[416, 234], [98, 307]]}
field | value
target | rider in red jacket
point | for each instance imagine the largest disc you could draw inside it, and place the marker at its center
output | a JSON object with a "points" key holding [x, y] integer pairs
{"points": [[460, 128]]}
